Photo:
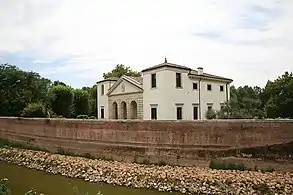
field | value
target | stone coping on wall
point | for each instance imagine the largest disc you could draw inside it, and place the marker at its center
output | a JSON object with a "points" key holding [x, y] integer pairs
{"points": [[156, 121]]}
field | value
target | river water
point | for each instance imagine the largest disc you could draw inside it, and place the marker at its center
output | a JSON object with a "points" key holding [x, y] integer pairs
{"points": [[23, 179]]}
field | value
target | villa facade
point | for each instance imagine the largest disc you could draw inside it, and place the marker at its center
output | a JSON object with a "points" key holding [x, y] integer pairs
{"points": [[164, 92]]}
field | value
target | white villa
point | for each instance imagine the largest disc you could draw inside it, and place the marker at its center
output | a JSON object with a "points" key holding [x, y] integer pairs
{"points": [[164, 92]]}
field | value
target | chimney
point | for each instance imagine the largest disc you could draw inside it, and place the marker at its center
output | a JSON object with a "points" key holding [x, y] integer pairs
{"points": [[199, 70]]}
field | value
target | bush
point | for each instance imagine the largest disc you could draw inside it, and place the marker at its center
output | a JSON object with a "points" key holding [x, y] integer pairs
{"points": [[65, 152], [161, 163], [230, 166], [211, 114], [82, 117], [34, 110]]}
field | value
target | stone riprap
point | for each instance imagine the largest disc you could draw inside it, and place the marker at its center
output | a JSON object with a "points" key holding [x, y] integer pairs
{"points": [[187, 180]]}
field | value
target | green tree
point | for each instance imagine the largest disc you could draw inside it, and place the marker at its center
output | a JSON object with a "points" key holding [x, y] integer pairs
{"points": [[92, 100], [18, 88], [55, 83], [81, 102], [244, 102], [121, 70], [278, 95], [60, 99], [34, 110]]}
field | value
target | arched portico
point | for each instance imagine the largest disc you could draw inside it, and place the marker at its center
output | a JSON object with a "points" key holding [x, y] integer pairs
{"points": [[133, 109], [123, 111], [115, 110]]}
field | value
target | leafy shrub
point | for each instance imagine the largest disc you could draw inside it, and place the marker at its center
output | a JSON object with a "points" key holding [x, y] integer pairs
{"points": [[7, 143], [88, 156], [61, 151], [161, 163], [229, 166], [82, 117], [211, 114], [269, 169], [36, 109]]}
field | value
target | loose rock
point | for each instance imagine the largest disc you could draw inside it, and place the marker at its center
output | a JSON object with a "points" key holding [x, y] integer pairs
{"points": [[187, 180]]}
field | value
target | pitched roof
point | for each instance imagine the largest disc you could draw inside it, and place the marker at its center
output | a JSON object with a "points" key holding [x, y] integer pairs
{"points": [[138, 79], [109, 79], [166, 64], [206, 75], [191, 71]]}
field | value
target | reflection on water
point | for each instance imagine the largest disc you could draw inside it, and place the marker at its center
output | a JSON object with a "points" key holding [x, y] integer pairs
{"points": [[23, 179]]}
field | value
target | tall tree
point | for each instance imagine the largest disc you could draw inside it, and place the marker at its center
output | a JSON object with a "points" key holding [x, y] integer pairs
{"points": [[60, 99], [18, 88], [244, 103], [121, 70], [279, 96], [55, 83], [81, 102], [92, 100]]}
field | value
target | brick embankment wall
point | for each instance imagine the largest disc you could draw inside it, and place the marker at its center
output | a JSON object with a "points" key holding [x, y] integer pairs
{"points": [[184, 142]]}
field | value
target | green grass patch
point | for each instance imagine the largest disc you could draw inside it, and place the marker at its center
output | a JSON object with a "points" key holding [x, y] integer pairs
{"points": [[240, 167], [11, 144], [161, 163], [227, 166], [60, 150]]}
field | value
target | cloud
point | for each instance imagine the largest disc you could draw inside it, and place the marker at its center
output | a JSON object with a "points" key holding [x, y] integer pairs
{"points": [[76, 41], [42, 61]]}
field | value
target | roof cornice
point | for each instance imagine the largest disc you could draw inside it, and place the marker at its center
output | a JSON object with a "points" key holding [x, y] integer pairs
{"points": [[210, 78], [166, 65]]}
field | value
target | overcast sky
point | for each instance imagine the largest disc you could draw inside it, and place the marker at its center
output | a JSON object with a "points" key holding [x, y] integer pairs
{"points": [[75, 41]]}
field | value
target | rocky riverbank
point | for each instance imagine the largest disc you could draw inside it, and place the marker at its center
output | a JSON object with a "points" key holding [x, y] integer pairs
{"points": [[187, 180]]}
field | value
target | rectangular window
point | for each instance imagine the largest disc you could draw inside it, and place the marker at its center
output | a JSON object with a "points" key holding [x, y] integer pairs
{"points": [[178, 80], [102, 90], [221, 88], [179, 113], [153, 113], [154, 81], [210, 108], [195, 86], [222, 106], [102, 112], [209, 86], [195, 112]]}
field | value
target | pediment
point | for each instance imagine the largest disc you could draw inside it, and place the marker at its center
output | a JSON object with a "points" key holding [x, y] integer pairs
{"points": [[124, 86]]}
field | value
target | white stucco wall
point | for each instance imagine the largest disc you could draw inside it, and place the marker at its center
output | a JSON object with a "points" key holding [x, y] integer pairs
{"points": [[214, 97], [154, 96], [102, 100], [166, 95]]}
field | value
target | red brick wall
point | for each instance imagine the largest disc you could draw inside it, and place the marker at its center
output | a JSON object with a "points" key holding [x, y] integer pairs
{"points": [[171, 141]]}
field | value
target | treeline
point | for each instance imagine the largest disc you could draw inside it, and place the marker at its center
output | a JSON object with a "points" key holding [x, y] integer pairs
{"points": [[275, 100], [27, 94]]}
